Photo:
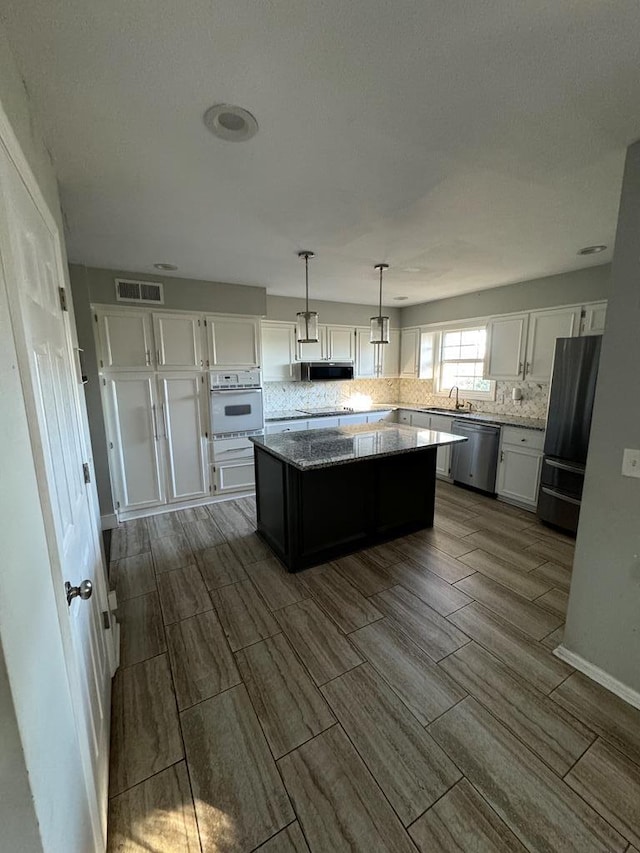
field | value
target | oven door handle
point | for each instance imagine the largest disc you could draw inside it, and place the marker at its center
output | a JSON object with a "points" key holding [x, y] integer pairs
{"points": [[564, 466]]}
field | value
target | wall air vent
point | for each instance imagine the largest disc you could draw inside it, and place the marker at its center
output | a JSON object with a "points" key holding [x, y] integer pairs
{"points": [[129, 290]]}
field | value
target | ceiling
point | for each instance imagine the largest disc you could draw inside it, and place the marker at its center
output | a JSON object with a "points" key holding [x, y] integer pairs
{"points": [[466, 144]]}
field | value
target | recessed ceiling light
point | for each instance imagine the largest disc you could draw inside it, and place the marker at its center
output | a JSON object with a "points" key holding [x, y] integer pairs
{"points": [[165, 267], [591, 250], [231, 123], [400, 298]]}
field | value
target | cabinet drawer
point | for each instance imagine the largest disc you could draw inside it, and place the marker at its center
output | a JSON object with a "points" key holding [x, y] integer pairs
{"points": [[234, 477], [285, 426], [380, 416], [531, 438], [230, 449], [404, 416]]}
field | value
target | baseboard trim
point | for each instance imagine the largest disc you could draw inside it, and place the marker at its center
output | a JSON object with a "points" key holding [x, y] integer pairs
{"points": [[598, 675], [109, 521]]}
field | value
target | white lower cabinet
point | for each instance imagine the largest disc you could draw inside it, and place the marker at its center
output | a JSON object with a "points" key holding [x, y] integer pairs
{"points": [[285, 426], [183, 428], [232, 468], [135, 451], [520, 466], [443, 457]]}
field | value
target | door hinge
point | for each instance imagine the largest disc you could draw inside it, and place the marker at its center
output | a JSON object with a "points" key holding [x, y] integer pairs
{"points": [[111, 445], [104, 382], [202, 379], [101, 363], [198, 322], [106, 621], [205, 321], [63, 298], [86, 472], [95, 317], [583, 313], [117, 504], [206, 435]]}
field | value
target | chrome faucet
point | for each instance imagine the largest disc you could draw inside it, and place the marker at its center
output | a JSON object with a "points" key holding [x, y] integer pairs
{"points": [[456, 389]]}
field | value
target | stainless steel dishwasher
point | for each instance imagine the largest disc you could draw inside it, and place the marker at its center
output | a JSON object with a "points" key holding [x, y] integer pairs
{"points": [[475, 462]]}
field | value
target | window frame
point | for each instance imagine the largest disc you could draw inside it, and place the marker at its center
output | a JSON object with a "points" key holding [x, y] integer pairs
{"points": [[439, 361]]}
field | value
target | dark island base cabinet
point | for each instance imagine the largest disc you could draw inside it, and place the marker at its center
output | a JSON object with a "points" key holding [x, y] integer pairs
{"points": [[309, 517]]}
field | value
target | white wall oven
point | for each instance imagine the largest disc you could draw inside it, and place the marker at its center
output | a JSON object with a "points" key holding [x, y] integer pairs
{"points": [[235, 402]]}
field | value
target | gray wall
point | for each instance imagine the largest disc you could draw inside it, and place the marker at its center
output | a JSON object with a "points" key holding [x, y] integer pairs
{"points": [[92, 285], [570, 288], [340, 313], [603, 620]]}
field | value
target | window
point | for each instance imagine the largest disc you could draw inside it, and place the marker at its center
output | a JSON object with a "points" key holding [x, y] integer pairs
{"points": [[461, 363]]}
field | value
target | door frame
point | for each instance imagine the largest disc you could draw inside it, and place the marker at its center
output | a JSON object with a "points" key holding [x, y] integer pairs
{"points": [[9, 141]]}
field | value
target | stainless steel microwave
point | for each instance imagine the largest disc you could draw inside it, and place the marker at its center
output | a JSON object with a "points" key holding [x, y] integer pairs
{"points": [[324, 371]]}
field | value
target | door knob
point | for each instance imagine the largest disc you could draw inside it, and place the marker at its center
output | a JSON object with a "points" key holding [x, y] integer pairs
{"points": [[83, 591]]}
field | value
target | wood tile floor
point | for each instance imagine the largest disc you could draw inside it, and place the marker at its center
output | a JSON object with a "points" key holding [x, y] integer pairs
{"points": [[403, 698]]}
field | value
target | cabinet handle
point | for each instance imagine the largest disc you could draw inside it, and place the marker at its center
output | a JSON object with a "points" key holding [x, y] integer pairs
{"points": [[148, 355], [158, 356], [164, 420], [155, 421], [520, 366], [527, 369], [502, 455]]}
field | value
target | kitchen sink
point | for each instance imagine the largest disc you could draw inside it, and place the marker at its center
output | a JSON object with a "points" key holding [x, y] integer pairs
{"points": [[451, 412]]}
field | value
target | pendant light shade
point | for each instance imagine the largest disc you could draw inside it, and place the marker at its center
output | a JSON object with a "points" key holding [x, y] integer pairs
{"points": [[379, 333], [306, 321]]}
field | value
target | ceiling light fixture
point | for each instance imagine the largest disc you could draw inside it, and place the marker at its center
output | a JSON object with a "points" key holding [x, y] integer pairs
{"points": [[306, 321], [166, 267], [592, 250], [231, 123], [379, 333]]}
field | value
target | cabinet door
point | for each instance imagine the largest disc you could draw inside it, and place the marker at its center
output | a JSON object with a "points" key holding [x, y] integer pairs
{"points": [[421, 420], [234, 478], [348, 420], [278, 351], [506, 347], [233, 341], [316, 351], [340, 343], [182, 426], [125, 340], [443, 456], [285, 426], [519, 474], [322, 423], [544, 328], [135, 457], [404, 416], [178, 341], [365, 355], [595, 316], [390, 355], [409, 345]]}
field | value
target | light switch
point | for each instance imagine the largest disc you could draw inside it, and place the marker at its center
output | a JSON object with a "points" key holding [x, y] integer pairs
{"points": [[631, 463]]}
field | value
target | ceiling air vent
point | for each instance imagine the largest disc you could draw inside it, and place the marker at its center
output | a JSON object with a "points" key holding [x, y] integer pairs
{"points": [[128, 290]]}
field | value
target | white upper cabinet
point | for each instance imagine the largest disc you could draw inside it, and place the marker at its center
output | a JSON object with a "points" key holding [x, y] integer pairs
{"points": [[506, 347], [278, 351], [178, 339], [134, 432], [313, 352], [544, 328], [181, 426], [409, 353], [340, 343], [233, 341], [365, 367], [388, 356], [594, 319], [125, 340]]}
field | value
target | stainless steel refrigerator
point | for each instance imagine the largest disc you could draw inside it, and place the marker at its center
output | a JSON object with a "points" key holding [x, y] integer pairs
{"points": [[573, 386]]}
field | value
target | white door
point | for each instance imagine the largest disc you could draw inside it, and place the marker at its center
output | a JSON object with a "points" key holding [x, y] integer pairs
{"points": [[178, 341], [182, 425], [340, 341], [506, 347], [133, 431], [233, 341], [594, 320], [544, 328], [316, 351], [33, 266], [278, 351], [519, 474], [365, 355], [390, 355], [409, 346], [125, 338]]}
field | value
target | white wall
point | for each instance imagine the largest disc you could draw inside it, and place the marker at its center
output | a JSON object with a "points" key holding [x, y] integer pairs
{"points": [[603, 619], [34, 697]]}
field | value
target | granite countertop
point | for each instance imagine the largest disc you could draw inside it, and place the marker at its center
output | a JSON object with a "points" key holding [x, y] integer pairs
{"points": [[321, 448], [299, 415], [483, 417]]}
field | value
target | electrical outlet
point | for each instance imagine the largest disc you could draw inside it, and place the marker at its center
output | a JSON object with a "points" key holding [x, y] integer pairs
{"points": [[631, 463]]}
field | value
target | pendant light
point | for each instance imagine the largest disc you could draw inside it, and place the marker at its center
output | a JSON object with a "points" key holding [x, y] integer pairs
{"points": [[379, 333], [306, 321]]}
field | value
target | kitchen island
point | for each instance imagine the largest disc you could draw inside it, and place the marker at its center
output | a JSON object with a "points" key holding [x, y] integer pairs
{"points": [[322, 493]]}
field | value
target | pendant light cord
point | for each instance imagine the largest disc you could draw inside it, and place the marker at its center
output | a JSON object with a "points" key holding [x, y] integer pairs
{"points": [[380, 307]]}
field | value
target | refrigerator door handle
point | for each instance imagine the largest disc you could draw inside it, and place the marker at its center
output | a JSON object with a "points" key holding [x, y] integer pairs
{"points": [[564, 466], [559, 496]]}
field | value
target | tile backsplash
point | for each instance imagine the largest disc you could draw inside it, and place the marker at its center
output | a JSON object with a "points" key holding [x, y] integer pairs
{"points": [[279, 396]]}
